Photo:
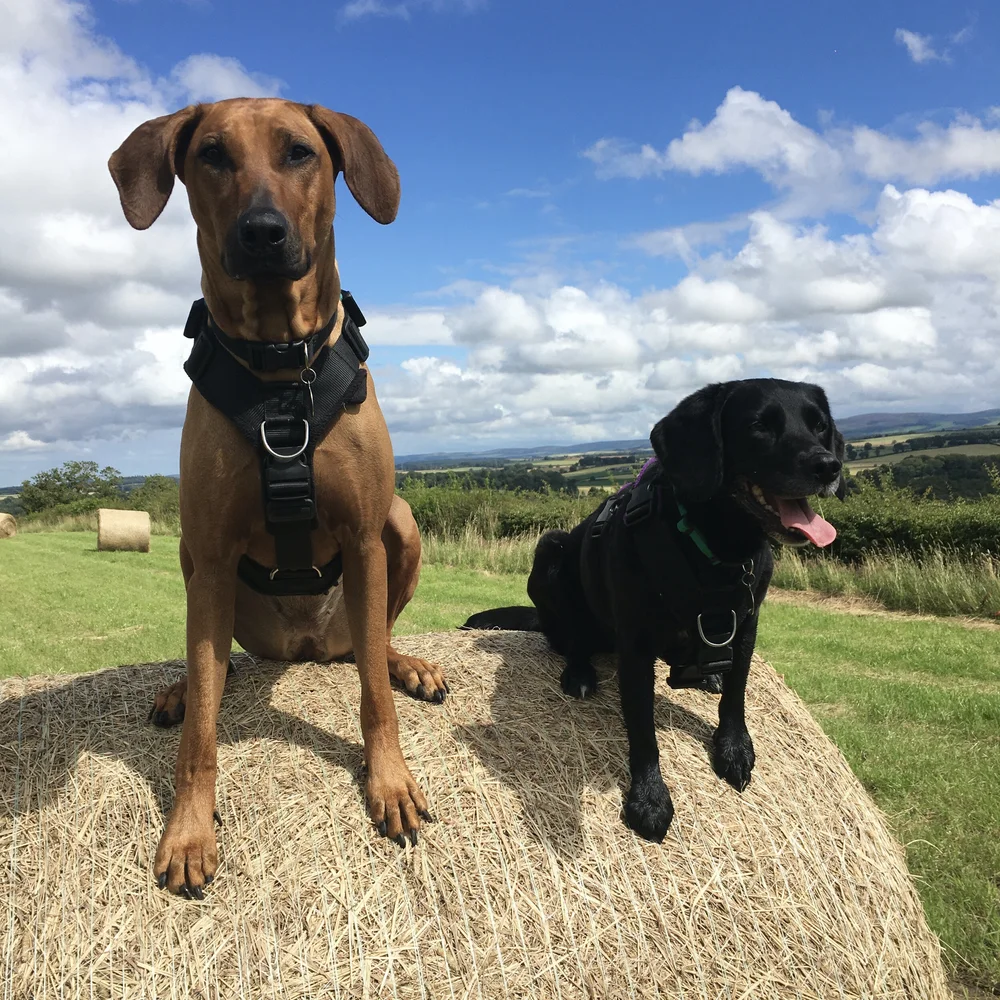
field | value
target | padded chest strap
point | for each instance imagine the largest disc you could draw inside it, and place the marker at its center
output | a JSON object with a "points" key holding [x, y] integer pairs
{"points": [[709, 598], [284, 420]]}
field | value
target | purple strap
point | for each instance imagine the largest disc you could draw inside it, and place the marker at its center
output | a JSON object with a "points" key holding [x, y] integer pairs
{"points": [[638, 479]]}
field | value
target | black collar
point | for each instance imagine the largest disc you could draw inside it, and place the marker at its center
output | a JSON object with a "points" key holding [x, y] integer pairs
{"points": [[268, 356]]}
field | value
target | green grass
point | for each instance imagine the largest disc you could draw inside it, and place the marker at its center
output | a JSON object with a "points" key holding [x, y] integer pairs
{"points": [[913, 704], [67, 607], [915, 708], [939, 583]]}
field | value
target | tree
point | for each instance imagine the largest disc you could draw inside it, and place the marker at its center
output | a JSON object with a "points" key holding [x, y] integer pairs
{"points": [[159, 495], [72, 482]]}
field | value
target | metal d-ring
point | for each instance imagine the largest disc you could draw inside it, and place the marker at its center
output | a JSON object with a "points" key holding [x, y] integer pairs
{"points": [[717, 645], [278, 455], [275, 572]]}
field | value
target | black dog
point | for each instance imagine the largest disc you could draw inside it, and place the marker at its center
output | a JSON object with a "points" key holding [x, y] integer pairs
{"points": [[676, 565]]}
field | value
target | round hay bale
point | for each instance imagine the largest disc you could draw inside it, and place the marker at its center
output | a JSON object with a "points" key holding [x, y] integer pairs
{"points": [[8, 526], [527, 886], [122, 530]]}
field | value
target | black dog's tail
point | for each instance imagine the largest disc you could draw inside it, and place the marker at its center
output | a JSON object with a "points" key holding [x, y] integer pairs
{"points": [[509, 619], [546, 586]]}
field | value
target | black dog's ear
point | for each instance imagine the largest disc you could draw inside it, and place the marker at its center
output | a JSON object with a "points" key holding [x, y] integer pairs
{"points": [[840, 450], [688, 442]]}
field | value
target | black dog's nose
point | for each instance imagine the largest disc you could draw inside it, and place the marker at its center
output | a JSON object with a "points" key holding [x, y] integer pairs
{"points": [[826, 468], [262, 231]]}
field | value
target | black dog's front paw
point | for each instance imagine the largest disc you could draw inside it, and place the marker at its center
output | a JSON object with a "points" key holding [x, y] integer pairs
{"points": [[733, 758], [579, 680], [648, 809]]}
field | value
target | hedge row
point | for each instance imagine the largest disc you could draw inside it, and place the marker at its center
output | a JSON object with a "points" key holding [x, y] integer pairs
{"points": [[877, 520], [447, 510], [870, 520]]}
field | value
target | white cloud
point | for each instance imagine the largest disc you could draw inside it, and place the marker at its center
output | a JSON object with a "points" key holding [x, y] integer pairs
{"points": [[213, 78], [20, 441], [814, 172], [919, 46], [966, 148], [402, 9], [90, 310], [905, 311]]}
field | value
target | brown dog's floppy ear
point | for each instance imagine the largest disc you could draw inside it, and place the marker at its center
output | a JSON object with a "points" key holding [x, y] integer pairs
{"points": [[144, 165], [688, 442], [370, 174]]}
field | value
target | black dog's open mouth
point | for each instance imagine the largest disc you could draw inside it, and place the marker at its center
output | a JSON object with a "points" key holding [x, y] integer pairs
{"points": [[789, 520]]}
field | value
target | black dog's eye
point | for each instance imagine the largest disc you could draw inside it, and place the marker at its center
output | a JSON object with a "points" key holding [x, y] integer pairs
{"points": [[213, 155], [759, 425], [299, 153]]}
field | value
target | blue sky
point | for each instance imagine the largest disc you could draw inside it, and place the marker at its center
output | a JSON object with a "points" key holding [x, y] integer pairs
{"points": [[604, 207]]}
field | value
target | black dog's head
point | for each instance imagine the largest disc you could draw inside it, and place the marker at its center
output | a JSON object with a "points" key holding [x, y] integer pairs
{"points": [[767, 443]]}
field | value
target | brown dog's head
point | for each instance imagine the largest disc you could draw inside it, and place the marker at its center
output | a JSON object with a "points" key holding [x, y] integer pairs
{"points": [[260, 179]]}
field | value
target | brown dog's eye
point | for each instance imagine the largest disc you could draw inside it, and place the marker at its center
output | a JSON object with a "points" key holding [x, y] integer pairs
{"points": [[212, 155], [299, 153]]}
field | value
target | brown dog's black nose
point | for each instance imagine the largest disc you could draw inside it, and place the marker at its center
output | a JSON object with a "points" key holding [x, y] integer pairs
{"points": [[262, 231]]}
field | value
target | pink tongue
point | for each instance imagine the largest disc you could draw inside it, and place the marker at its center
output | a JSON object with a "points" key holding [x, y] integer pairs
{"points": [[798, 514]]}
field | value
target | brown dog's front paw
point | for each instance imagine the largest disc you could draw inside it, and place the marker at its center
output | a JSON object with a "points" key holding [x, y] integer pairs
{"points": [[420, 678], [168, 706], [187, 857], [395, 802]]}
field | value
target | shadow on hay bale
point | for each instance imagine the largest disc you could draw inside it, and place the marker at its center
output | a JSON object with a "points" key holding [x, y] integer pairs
{"points": [[539, 746], [529, 885]]}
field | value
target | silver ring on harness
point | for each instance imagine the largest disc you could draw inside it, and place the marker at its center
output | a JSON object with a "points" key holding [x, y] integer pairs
{"points": [[717, 645], [278, 455], [316, 570]]}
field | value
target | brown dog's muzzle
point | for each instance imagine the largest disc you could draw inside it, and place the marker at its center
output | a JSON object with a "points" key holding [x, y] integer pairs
{"points": [[262, 243]]}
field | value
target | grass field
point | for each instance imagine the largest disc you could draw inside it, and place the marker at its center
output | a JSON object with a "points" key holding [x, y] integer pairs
{"points": [[976, 450], [913, 704]]}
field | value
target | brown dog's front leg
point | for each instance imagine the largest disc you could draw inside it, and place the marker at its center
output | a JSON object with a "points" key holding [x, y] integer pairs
{"points": [[395, 802], [187, 858]]}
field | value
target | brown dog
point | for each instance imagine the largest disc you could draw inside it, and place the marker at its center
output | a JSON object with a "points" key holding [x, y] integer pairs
{"points": [[260, 180]]}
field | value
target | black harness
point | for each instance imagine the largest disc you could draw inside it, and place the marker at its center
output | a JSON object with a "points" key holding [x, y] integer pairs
{"points": [[283, 420], [709, 598]]}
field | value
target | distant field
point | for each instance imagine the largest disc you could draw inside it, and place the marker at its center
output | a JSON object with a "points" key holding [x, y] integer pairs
{"points": [[891, 439], [984, 450]]}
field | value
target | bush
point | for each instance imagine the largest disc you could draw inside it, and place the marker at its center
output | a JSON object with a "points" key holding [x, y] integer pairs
{"points": [[159, 496], [879, 520], [451, 510], [73, 482]]}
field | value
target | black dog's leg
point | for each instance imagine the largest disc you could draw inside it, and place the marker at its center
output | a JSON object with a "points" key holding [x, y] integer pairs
{"points": [[579, 679], [733, 756], [648, 809]]}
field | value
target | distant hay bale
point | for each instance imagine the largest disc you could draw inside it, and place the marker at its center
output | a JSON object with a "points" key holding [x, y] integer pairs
{"points": [[122, 530], [8, 526], [527, 886]]}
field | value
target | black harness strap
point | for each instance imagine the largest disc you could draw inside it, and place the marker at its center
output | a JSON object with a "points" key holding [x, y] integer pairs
{"points": [[284, 421], [710, 600]]}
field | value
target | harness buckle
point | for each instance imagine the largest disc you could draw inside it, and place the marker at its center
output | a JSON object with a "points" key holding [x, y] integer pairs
{"points": [[277, 454], [605, 515], [640, 504]]}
